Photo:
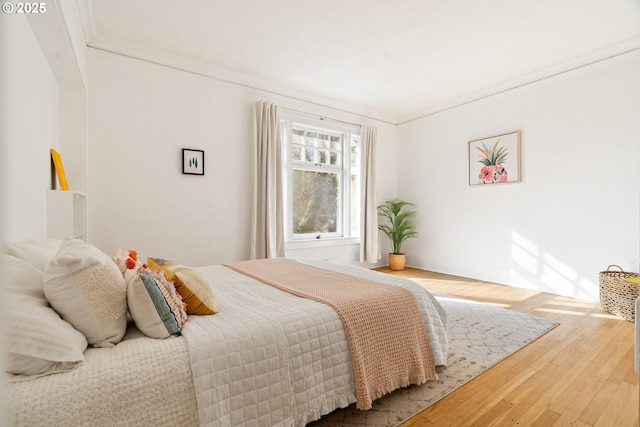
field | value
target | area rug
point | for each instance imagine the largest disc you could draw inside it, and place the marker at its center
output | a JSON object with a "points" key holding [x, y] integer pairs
{"points": [[480, 336]]}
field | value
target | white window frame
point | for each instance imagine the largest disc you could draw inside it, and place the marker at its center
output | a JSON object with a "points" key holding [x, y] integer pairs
{"points": [[348, 133]]}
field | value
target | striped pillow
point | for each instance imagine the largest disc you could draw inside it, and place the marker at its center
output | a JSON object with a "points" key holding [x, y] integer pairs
{"points": [[155, 306]]}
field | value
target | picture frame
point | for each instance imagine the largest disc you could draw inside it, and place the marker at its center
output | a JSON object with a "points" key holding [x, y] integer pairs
{"points": [[192, 162], [495, 159]]}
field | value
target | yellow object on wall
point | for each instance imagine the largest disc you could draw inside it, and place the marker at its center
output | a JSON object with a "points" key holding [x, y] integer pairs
{"points": [[57, 162]]}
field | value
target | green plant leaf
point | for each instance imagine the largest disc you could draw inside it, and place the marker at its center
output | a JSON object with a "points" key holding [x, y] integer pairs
{"points": [[400, 225]]}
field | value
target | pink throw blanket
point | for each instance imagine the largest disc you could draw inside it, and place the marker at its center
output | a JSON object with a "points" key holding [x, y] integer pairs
{"points": [[389, 344]]}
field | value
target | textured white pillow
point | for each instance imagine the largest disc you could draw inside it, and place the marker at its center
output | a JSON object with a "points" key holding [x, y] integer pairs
{"points": [[87, 289], [38, 341], [35, 253]]}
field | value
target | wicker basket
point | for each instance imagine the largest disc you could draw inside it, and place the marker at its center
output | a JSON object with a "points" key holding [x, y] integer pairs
{"points": [[618, 292]]}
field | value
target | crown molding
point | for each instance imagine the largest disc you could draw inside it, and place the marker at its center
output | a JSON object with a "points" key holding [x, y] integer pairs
{"points": [[597, 56], [369, 112]]}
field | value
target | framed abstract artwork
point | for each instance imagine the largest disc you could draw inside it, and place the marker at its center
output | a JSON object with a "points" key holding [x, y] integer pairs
{"points": [[192, 162], [495, 159]]}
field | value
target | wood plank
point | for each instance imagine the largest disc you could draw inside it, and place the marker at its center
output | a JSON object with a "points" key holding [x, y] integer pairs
{"points": [[580, 373]]}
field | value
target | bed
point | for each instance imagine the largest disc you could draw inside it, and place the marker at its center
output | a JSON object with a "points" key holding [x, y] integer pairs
{"points": [[267, 357]]}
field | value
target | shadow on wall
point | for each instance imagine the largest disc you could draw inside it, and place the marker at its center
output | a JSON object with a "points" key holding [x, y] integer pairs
{"points": [[543, 272]]}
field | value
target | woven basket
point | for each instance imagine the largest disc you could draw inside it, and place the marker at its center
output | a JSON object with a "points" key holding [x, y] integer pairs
{"points": [[618, 292]]}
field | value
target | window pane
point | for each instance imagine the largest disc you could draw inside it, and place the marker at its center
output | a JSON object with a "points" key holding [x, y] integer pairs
{"points": [[315, 202], [324, 140], [335, 158], [312, 139], [310, 155], [298, 136], [296, 152], [355, 153], [322, 156]]}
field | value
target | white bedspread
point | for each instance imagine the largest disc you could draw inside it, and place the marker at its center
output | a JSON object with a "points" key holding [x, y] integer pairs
{"points": [[268, 358], [271, 358], [140, 382]]}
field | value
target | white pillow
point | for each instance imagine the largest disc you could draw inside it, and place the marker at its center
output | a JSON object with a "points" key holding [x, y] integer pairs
{"points": [[87, 289], [35, 253], [38, 340]]}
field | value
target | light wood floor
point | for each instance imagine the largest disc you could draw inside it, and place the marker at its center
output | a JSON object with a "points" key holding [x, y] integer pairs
{"points": [[579, 374]]}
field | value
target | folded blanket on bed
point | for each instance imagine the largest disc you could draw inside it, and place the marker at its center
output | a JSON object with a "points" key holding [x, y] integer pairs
{"points": [[388, 339]]}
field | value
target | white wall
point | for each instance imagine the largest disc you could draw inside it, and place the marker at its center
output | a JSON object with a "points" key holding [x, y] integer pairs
{"points": [[577, 208], [140, 116], [29, 129], [59, 33]]}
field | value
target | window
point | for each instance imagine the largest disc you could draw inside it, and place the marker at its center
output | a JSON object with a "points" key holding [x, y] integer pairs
{"points": [[322, 180]]}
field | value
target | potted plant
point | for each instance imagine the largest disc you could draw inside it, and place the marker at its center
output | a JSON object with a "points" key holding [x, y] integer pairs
{"points": [[399, 228]]}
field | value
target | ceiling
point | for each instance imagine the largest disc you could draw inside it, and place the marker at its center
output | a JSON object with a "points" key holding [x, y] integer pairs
{"points": [[392, 60]]}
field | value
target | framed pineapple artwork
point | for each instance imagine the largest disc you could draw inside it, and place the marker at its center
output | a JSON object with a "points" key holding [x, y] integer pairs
{"points": [[495, 159]]}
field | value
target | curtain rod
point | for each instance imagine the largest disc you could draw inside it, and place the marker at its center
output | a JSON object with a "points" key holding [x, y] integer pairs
{"points": [[321, 117]]}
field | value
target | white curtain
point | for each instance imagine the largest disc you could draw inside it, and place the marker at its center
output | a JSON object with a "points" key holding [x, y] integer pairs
{"points": [[369, 236], [267, 233]]}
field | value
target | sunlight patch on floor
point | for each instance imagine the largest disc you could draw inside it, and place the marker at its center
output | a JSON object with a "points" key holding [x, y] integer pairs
{"points": [[575, 304], [577, 312], [463, 300], [606, 316], [556, 310]]}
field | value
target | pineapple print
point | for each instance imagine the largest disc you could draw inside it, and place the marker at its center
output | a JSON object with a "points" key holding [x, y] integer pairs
{"points": [[492, 158]]}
